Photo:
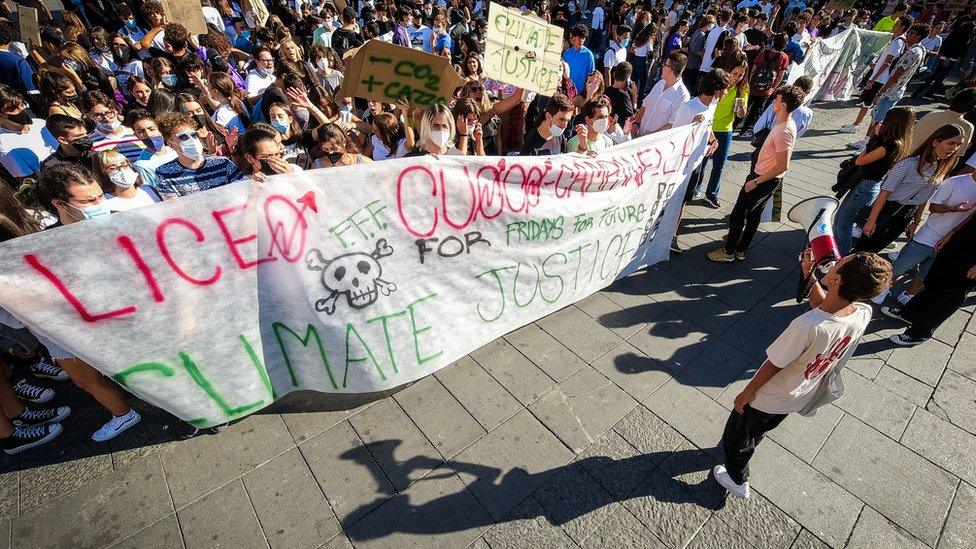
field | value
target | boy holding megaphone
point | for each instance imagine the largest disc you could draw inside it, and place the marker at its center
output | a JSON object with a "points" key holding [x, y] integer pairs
{"points": [[802, 369]]}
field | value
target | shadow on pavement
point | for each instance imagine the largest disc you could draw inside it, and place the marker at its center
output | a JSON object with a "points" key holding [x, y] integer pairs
{"points": [[452, 512]]}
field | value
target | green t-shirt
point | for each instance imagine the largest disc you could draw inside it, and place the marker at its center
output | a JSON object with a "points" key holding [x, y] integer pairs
{"points": [[885, 24], [724, 110]]}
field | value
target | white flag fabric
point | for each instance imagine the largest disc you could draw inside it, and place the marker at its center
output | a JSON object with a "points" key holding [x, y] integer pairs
{"points": [[352, 279]]}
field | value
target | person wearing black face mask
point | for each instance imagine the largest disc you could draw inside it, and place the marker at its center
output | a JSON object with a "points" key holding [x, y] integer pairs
{"points": [[73, 142], [260, 146]]}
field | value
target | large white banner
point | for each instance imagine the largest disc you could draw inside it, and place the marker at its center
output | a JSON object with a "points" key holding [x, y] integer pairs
{"points": [[352, 279], [837, 63]]}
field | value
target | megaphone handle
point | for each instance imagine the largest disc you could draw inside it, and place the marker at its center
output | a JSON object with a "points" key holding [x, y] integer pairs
{"points": [[803, 287]]}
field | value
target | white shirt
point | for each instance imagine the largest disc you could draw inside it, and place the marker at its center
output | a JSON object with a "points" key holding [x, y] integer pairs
{"points": [[615, 55], [22, 153], [380, 152], [212, 16], [815, 343], [256, 84], [894, 49], [420, 37], [932, 44], [952, 192], [226, 117], [660, 105], [693, 107], [119, 204], [710, 42], [597, 22]]}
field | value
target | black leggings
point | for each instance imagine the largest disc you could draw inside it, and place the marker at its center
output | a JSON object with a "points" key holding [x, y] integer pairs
{"points": [[746, 214]]}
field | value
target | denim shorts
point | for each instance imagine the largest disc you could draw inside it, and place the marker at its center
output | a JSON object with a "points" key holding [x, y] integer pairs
{"points": [[881, 109], [914, 253]]}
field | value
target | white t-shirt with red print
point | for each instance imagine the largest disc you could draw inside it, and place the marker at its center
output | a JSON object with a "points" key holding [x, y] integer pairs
{"points": [[814, 342]]}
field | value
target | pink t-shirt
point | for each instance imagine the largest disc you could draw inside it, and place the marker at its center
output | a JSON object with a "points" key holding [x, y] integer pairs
{"points": [[780, 139]]}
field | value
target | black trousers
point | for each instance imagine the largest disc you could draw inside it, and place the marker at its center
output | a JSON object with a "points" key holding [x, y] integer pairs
{"points": [[746, 214], [892, 222], [743, 433], [946, 287], [690, 78]]}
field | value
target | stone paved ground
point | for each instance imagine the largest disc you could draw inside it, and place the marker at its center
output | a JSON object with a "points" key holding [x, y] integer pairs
{"points": [[593, 427]]}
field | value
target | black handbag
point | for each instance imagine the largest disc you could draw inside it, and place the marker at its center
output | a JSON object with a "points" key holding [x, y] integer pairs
{"points": [[848, 176], [759, 138]]}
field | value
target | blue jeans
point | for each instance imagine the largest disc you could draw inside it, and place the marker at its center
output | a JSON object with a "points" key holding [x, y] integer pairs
{"points": [[912, 254], [718, 164], [860, 196]]}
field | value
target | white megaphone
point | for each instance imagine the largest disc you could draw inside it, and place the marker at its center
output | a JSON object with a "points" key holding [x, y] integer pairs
{"points": [[817, 216]]}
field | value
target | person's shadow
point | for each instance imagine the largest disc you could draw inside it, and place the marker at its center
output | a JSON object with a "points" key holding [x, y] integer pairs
{"points": [[653, 475]]}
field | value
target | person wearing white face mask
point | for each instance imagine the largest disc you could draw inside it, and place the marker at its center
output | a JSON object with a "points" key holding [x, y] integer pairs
{"points": [[436, 132], [71, 192], [192, 171], [127, 191], [109, 133], [549, 137], [263, 74], [592, 137]]}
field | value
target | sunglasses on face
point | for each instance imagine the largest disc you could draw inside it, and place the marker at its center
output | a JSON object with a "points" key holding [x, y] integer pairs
{"points": [[186, 136]]}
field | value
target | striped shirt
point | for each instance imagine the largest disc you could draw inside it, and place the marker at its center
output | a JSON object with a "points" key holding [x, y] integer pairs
{"points": [[125, 142], [173, 179], [907, 186]]}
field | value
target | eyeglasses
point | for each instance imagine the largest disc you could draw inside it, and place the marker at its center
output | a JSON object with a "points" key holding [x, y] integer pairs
{"points": [[103, 115], [268, 61], [186, 136], [114, 168]]}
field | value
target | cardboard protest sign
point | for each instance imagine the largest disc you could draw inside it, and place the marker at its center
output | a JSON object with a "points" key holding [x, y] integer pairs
{"points": [[523, 51], [353, 279], [188, 13], [30, 33], [258, 10], [386, 72]]}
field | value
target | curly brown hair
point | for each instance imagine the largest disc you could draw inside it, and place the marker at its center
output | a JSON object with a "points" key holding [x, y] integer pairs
{"points": [[864, 276]]}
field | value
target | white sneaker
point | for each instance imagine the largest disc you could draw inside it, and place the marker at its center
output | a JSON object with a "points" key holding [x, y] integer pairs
{"points": [[860, 144], [848, 128], [723, 478], [116, 425], [904, 298], [880, 298]]}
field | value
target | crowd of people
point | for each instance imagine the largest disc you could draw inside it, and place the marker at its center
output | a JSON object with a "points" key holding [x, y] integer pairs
{"points": [[119, 107]]}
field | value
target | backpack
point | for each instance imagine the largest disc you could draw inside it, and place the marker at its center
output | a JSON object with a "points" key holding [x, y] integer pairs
{"points": [[764, 77]]}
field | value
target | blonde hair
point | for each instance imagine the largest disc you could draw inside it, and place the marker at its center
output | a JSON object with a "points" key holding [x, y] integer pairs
{"points": [[428, 119], [102, 159]]}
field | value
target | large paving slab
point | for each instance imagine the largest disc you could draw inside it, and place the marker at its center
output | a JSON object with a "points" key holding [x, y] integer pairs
{"points": [[582, 407], [807, 496], [511, 462], [102, 512], [960, 528], [904, 487]]}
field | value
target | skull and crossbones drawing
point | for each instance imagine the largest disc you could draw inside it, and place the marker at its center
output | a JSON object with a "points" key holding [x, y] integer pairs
{"points": [[355, 274]]}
